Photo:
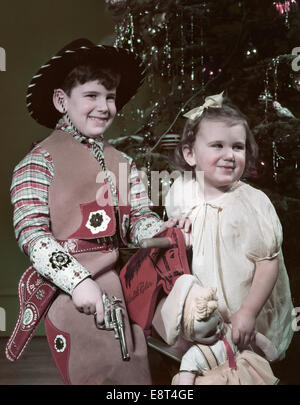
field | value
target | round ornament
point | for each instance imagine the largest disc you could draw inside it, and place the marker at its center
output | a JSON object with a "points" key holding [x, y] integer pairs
{"points": [[116, 3], [265, 96], [169, 141], [296, 82]]}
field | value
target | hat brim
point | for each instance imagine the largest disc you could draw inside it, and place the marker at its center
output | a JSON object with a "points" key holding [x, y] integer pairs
{"points": [[52, 74]]}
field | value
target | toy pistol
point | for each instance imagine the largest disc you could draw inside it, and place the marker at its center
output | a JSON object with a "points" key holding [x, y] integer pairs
{"points": [[113, 320]]}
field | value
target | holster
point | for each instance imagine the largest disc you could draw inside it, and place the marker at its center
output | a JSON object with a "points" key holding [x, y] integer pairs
{"points": [[35, 296]]}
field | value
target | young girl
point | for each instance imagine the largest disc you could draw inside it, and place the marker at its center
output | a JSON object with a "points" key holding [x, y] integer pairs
{"points": [[236, 234]]}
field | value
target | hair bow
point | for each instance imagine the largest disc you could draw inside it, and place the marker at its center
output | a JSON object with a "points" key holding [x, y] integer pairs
{"points": [[215, 101]]}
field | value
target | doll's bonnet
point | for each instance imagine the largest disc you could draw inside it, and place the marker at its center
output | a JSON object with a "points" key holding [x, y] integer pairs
{"points": [[180, 304]]}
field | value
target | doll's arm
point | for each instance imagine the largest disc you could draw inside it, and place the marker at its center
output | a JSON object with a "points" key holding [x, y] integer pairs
{"points": [[186, 378], [243, 321], [266, 346], [193, 363]]}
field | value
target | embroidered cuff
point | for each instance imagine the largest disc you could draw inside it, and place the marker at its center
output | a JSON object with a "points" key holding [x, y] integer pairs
{"points": [[53, 262], [147, 227]]}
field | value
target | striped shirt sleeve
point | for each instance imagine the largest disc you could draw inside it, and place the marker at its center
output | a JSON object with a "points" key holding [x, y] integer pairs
{"points": [[29, 194]]}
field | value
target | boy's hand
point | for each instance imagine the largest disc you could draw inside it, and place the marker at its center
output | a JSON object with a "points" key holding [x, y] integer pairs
{"points": [[87, 298], [184, 224], [243, 328]]}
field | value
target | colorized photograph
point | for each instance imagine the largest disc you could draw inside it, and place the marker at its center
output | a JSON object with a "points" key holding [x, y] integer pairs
{"points": [[150, 200]]}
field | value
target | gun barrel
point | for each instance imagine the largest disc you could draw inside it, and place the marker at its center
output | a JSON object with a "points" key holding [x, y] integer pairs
{"points": [[124, 350]]}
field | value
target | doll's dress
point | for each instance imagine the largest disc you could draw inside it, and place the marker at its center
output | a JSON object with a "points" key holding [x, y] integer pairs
{"points": [[211, 365], [229, 235]]}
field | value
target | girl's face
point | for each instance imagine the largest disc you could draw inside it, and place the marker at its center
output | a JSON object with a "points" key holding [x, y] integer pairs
{"points": [[91, 107], [220, 152]]}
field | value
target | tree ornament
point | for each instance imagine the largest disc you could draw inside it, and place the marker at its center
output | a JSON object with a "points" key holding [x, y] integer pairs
{"points": [[251, 52], [284, 8], [169, 141], [282, 111], [296, 82], [116, 3], [264, 97]]}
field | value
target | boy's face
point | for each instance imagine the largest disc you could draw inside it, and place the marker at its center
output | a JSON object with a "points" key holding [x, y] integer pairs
{"points": [[91, 108]]}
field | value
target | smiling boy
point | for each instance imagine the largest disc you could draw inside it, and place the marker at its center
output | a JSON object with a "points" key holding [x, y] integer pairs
{"points": [[70, 238]]}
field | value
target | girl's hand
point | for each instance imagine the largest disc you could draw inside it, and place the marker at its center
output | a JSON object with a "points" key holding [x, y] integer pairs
{"points": [[87, 298], [243, 328], [184, 224]]}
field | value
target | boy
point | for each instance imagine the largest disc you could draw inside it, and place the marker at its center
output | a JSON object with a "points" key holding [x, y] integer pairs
{"points": [[70, 215]]}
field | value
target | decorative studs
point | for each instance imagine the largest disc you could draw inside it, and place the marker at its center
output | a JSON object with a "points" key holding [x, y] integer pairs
{"points": [[27, 316], [60, 343], [98, 221]]}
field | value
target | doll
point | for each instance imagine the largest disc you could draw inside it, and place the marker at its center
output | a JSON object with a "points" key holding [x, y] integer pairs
{"points": [[192, 311]]}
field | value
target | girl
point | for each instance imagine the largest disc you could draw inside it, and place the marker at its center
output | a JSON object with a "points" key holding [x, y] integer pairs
{"points": [[236, 234]]}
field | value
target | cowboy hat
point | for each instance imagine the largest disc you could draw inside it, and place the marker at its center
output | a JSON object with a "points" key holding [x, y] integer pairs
{"points": [[81, 52]]}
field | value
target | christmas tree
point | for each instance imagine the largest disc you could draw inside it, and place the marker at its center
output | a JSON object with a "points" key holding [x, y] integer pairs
{"points": [[194, 48]]}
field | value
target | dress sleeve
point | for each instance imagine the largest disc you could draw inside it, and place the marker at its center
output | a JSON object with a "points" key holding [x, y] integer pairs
{"points": [[267, 243], [144, 223], [31, 217]]}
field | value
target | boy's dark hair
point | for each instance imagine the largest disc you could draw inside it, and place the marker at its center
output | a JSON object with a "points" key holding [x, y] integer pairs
{"points": [[232, 115], [86, 73]]}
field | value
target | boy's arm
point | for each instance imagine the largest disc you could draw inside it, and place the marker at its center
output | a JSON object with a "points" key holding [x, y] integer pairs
{"points": [[144, 223], [29, 194]]}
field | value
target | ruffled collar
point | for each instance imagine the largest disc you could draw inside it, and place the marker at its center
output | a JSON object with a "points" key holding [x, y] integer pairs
{"points": [[187, 194]]}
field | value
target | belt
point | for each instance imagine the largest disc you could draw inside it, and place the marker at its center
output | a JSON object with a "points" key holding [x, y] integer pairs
{"points": [[74, 246]]}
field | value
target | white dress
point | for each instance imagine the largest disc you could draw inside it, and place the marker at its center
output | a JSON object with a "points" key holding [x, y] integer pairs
{"points": [[229, 235]]}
